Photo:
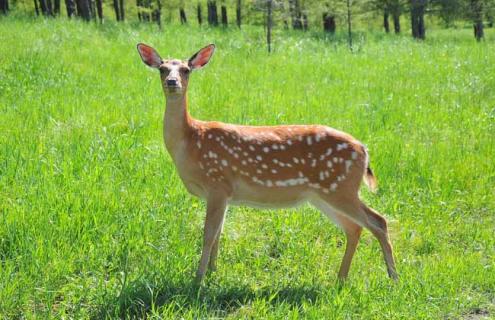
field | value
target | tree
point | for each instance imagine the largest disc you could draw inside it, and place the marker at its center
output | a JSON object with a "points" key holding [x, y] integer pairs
{"points": [[117, 10], [329, 22], [212, 13], [295, 14], [477, 15], [182, 13], [238, 13], [386, 25], [99, 9], [200, 16], [418, 8], [225, 21], [269, 22], [122, 11], [83, 9], [56, 7], [4, 6]]}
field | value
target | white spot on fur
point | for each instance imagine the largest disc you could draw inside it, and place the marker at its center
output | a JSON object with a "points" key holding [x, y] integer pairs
{"points": [[212, 155], [295, 160], [342, 146], [259, 158], [333, 186], [348, 164], [266, 149], [251, 147], [354, 155], [309, 141], [224, 163]]}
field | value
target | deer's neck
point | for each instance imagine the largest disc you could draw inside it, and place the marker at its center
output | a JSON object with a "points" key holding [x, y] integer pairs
{"points": [[176, 123]]}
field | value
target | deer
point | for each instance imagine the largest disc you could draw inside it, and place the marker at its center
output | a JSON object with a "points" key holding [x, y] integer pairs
{"points": [[264, 166]]}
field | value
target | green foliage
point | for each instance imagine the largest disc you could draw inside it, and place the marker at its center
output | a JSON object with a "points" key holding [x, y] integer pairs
{"points": [[94, 221]]}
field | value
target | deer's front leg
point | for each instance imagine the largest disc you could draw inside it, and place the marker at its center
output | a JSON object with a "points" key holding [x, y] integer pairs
{"points": [[215, 213], [214, 251]]}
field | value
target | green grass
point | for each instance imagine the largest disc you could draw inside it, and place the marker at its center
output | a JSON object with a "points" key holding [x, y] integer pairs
{"points": [[95, 222]]}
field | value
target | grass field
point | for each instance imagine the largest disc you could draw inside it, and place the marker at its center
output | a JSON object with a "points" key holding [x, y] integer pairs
{"points": [[95, 222]]}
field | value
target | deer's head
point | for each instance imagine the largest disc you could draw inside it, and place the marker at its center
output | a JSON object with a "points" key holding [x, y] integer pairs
{"points": [[175, 73]]}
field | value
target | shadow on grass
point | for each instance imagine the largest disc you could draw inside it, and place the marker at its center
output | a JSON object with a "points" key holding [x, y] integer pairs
{"points": [[213, 299]]}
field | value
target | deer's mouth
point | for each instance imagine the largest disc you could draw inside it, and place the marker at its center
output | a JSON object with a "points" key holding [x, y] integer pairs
{"points": [[173, 88]]}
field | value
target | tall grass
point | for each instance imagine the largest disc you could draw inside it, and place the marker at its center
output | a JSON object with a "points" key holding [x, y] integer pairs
{"points": [[95, 222]]}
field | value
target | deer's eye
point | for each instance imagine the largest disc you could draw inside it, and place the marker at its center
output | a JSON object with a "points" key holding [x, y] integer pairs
{"points": [[164, 70], [185, 70]]}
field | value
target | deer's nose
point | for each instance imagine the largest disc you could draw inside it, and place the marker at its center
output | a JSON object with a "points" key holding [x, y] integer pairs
{"points": [[172, 82]]}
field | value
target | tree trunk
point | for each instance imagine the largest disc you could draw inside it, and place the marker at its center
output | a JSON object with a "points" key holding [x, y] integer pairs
{"points": [[269, 5], [116, 8], [212, 13], [92, 7], [157, 14], [396, 20], [183, 18], [49, 8], [386, 25], [238, 13], [295, 13], [329, 23], [200, 16], [349, 26], [4, 6], [99, 9], [477, 13], [418, 8], [43, 7], [85, 11], [122, 10], [56, 7], [71, 8], [225, 21], [36, 7]]}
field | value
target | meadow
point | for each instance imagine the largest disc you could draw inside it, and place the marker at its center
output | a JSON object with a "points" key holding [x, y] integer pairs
{"points": [[95, 223]]}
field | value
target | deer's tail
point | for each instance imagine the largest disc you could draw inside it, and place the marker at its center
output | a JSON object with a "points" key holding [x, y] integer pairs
{"points": [[368, 177]]}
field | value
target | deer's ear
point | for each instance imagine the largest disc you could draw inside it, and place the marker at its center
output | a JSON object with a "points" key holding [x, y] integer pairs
{"points": [[200, 58], [149, 55]]}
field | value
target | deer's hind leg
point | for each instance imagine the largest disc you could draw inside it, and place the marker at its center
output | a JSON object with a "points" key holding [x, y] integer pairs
{"points": [[356, 211], [352, 231]]}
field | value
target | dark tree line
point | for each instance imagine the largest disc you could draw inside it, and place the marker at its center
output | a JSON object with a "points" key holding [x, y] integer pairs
{"points": [[332, 15]]}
